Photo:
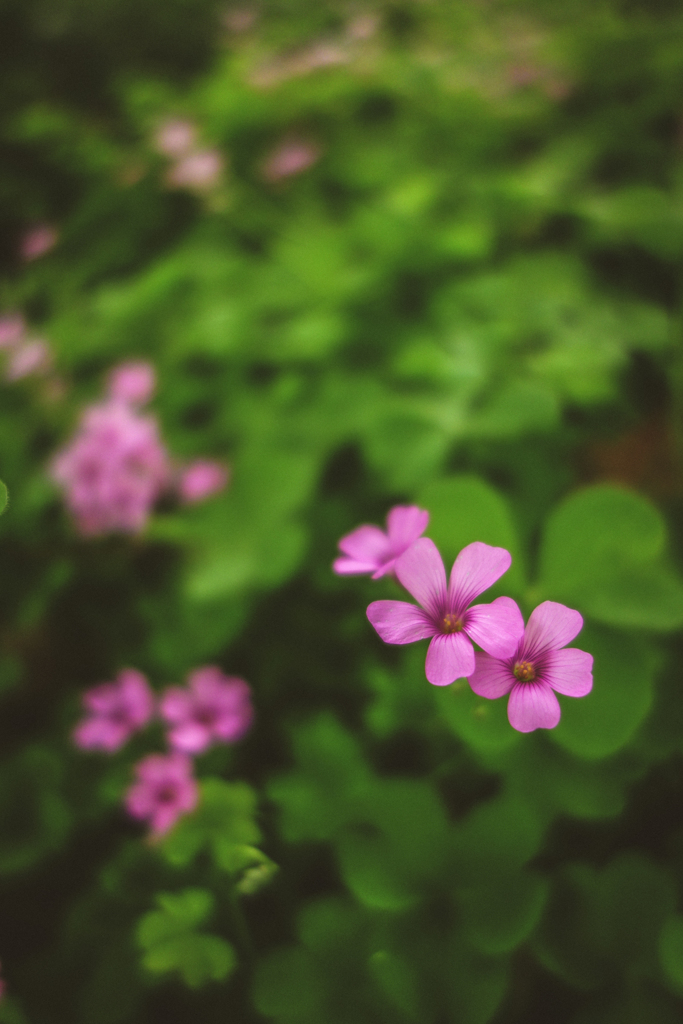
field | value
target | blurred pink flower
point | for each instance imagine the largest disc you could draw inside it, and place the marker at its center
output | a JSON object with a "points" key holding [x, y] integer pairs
{"points": [[113, 470], [291, 157], [283, 67], [537, 668], [215, 708], [198, 171], [37, 241], [445, 614], [369, 550], [175, 137], [28, 358], [164, 790], [12, 329], [201, 479], [114, 711], [239, 19], [132, 382], [363, 26]]}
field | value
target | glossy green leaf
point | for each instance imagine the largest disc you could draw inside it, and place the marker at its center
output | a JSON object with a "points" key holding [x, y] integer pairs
{"points": [[500, 914], [671, 951], [224, 821]]}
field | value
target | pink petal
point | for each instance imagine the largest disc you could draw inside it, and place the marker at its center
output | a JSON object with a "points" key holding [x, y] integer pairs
{"points": [[476, 568], [450, 656], [190, 738], [533, 706], [550, 626], [366, 544], [345, 566], [420, 570], [569, 671], [405, 523], [497, 627], [398, 622], [492, 678]]}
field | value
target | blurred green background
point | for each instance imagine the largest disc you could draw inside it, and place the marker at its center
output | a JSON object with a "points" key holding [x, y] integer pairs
{"points": [[438, 260]]}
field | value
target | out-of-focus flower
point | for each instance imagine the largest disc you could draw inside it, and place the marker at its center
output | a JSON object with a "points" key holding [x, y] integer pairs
{"points": [[363, 26], [113, 470], [12, 329], [199, 171], [537, 668], [445, 615], [239, 19], [114, 711], [201, 479], [215, 708], [30, 357], [164, 790], [37, 241], [369, 550], [303, 62], [132, 382], [291, 157], [175, 137]]}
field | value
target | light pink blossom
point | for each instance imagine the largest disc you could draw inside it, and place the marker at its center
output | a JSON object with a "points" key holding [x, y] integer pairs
{"points": [[201, 479], [369, 549], [537, 668], [28, 358], [38, 241], [445, 614], [164, 790], [133, 382], [214, 708], [289, 158], [113, 470], [198, 171], [12, 330], [114, 711], [175, 137]]}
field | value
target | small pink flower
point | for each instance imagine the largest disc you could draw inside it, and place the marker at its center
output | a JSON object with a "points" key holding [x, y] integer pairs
{"points": [[369, 550], [175, 137], [445, 615], [164, 790], [198, 171], [114, 711], [38, 241], [12, 329], [215, 708], [537, 667], [28, 358], [289, 158], [113, 470], [201, 479], [132, 382]]}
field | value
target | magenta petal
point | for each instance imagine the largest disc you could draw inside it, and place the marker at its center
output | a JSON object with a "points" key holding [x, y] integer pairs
{"points": [[345, 566], [450, 656], [398, 622], [550, 626], [533, 706], [420, 570], [476, 568], [491, 678], [405, 523], [497, 627], [569, 671], [366, 544]]}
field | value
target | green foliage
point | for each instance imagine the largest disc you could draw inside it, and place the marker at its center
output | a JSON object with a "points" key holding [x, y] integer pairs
{"points": [[224, 822]]}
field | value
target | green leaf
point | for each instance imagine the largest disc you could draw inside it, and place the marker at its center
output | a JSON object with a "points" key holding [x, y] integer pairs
{"points": [[180, 912], [671, 951], [495, 838], [287, 986], [482, 724], [499, 914], [4, 497], [223, 821]]}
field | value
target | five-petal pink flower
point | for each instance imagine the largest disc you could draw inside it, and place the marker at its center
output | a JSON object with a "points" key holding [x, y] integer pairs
{"points": [[538, 667], [214, 708], [445, 614], [370, 550], [164, 790], [114, 711], [133, 381]]}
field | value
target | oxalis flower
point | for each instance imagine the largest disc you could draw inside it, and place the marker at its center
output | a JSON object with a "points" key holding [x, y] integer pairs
{"points": [[114, 712], [164, 790], [215, 708], [537, 668], [445, 614], [370, 550]]}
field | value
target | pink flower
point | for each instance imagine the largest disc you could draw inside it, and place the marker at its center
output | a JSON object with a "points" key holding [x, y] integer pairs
{"points": [[201, 479], [198, 171], [445, 615], [132, 382], [214, 709], [114, 712], [37, 242], [113, 470], [164, 790], [28, 358], [12, 330], [175, 137], [369, 550], [538, 667], [289, 158]]}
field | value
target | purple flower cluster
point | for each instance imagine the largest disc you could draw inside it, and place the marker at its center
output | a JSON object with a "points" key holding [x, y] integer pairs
{"points": [[214, 708], [530, 664], [116, 466]]}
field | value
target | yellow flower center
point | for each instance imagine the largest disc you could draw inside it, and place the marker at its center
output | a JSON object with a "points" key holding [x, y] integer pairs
{"points": [[524, 671], [451, 623]]}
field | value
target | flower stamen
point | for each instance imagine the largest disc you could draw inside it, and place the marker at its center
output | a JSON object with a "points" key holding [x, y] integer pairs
{"points": [[452, 623], [525, 671]]}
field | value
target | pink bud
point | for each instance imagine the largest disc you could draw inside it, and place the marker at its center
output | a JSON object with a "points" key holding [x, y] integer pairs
{"points": [[29, 358], [132, 382], [37, 242], [198, 171], [289, 158], [175, 137], [201, 479]]}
